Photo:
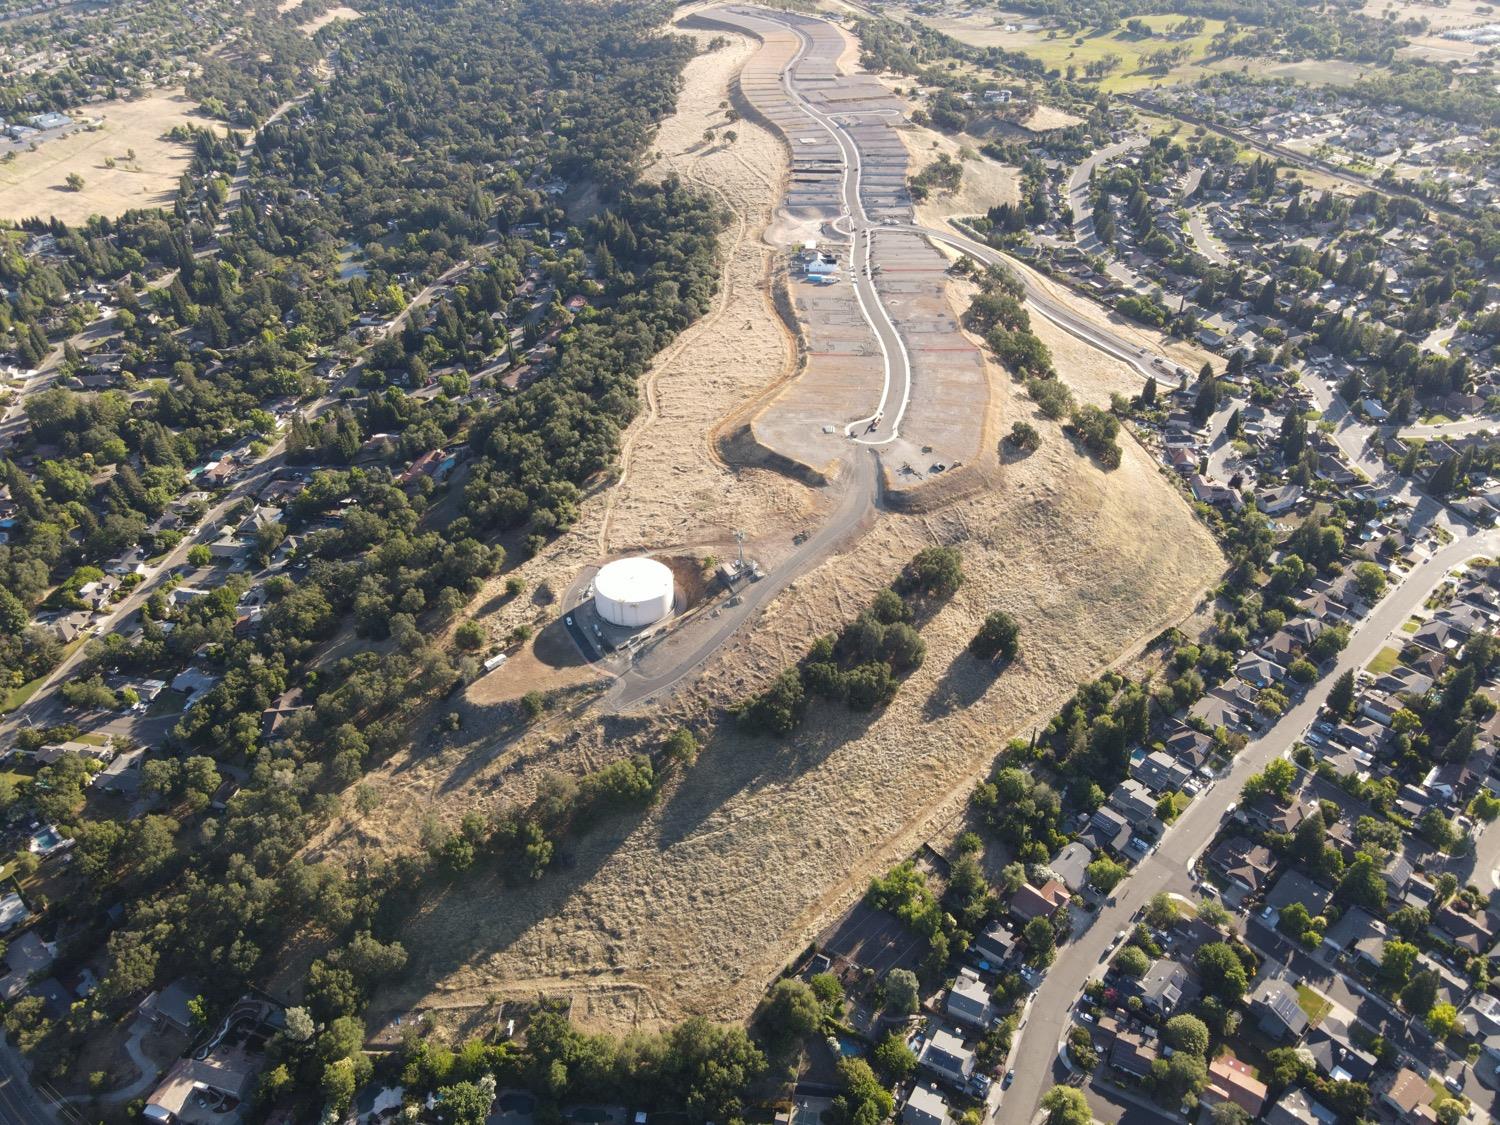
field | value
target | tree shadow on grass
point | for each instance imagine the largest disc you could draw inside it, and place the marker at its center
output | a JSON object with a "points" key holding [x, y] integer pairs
{"points": [[461, 922], [737, 761], [962, 685]]}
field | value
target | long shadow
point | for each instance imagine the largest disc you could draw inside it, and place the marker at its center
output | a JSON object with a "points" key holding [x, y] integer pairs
{"points": [[510, 909], [733, 764], [500, 724], [962, 685]]}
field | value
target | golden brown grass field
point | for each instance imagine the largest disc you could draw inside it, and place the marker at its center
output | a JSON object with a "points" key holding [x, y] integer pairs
{"points": [[35, 183]]}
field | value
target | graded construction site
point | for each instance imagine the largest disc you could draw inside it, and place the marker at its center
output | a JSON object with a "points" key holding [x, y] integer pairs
{"points": [[884, 363]]}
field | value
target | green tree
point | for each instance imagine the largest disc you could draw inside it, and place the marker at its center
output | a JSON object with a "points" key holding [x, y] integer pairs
{"points": [[1187, 1033], [1162, 911], [893, 1058], [1105, 874], [1041, 941], [1341, 694], [470, 635], [1132, 961], [1065, 1105], [1024, 437], [863, 1101], [1420, 993], [998, 636], [934, 572], [1222, 972], [791, 1012], [901, 992], [1440, 1019], [1396, 962]]}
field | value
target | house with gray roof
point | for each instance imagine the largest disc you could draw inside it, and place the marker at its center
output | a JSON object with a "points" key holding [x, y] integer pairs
{"points": [[1274, 1004]]}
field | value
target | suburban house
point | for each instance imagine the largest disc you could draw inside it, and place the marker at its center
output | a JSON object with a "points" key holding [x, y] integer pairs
{"points": [[1160, 772], [1131, 1055], [996, 945], [1230, 1080], [1244, 864], [945, 1055], [1274, 1004], [13, 912], [220, 1083], [1072, 864], [1335, 1054], [1297, 887], [1294, 1107], [1408, 1094], [1166, 987], [969, 1000], [1039, 902], [924, 1107], [1133, 802], [1189, 745]]}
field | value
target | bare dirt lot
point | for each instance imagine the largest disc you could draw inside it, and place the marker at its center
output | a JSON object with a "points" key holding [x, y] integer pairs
{"points": [[35, 183]]}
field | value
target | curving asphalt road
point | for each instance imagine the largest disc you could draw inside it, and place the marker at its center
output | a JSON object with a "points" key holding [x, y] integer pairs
{"points": [[883, 424], [1058, 313], [663, 667]]}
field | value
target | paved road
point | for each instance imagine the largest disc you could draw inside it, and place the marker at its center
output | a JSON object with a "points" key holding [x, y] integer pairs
{"points": [[1169, 866], [679, 655], [1083, 214], [19, 1103], [1074, 323], [1452, 429], [883, 423], [1203, 240]]}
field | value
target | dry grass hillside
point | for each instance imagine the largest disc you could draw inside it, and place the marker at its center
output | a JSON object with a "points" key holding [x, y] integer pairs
{"points": [[693, 905]]}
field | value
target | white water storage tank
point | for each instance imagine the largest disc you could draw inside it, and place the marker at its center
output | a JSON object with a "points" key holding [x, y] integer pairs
{"points": [[633, 592]]}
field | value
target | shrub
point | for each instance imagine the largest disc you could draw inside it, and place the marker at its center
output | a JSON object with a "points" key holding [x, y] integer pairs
{"points": [[1024, 437], [998, 636], [1052, 398]]}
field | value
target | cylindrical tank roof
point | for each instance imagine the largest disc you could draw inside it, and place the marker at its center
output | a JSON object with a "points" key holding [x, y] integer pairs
{"points": [[633, 592]]}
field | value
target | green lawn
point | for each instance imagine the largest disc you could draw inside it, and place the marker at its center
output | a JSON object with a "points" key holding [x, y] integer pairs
{"points": [[1386, 659], [169, 702], [1314, 1003], [1411, 625], [17, 696], [1062, 51]]}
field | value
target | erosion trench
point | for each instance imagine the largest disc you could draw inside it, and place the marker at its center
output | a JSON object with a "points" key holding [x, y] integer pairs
{"points": [[694, 904]]}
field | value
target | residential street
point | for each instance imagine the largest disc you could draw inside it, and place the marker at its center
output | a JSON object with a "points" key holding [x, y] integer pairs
{"points": [[1168, 868], [1083, 214], [19, 1103]]}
